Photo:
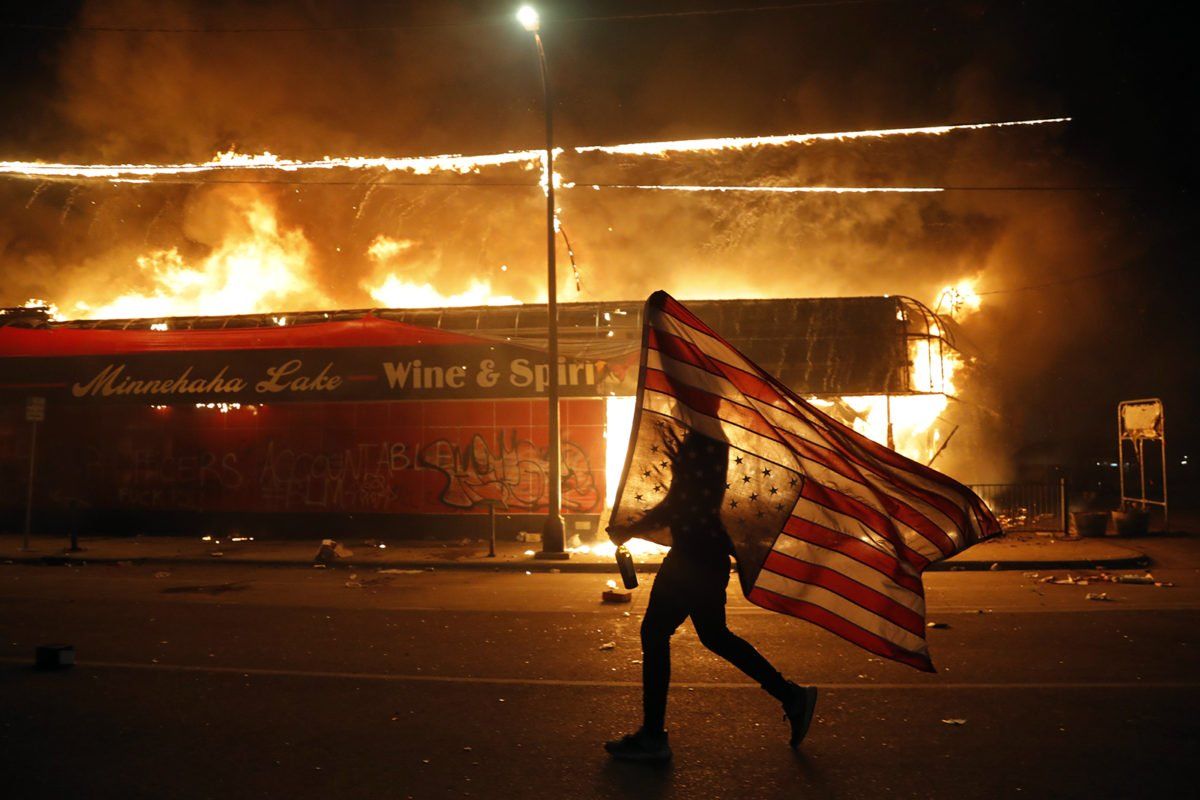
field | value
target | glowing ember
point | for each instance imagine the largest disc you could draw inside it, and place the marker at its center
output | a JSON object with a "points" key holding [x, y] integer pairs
{"points": [[225, 408]]}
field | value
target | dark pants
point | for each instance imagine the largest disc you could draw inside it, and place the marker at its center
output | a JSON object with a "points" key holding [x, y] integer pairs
{"points": [[685, 589]]}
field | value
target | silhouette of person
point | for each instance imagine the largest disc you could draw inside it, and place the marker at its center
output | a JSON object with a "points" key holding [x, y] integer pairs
{"points": [[692, 583]]}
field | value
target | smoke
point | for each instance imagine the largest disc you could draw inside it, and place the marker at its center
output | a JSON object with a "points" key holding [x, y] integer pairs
{"points": [[163, 97]]}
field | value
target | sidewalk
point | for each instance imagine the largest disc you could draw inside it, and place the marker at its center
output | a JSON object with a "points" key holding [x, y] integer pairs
{"points": [[1010, 552]]}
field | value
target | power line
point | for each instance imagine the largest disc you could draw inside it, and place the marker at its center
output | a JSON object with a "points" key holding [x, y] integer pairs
{"points": [[265, 182], [714, 12], [783, 189], [484, 22], [1073, 279], [665, 187]]}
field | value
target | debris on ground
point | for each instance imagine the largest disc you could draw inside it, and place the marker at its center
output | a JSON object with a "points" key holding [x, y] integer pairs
{"points": [[1102, 596], [528, 538], [614, 595], [955, 721], [938, 625], [995, 566], [354, 582], [216, 554], [53, 656], [390, 571], [1133, 578], [162, 573], [330, 551], [608, 646]]}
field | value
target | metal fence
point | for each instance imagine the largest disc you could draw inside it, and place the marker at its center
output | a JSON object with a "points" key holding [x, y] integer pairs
{"points": [[1025, 506]]}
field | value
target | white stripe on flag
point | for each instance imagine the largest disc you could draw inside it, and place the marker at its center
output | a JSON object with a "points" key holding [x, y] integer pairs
{"points": [[852, 569], [837, 521], [722, 430], [840, 606]]}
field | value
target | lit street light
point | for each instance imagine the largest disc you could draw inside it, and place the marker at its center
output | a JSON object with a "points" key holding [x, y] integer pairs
{"points": [[553, 535]]}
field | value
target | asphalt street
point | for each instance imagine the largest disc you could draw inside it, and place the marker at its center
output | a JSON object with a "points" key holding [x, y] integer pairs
{"points": [[231, 681]]}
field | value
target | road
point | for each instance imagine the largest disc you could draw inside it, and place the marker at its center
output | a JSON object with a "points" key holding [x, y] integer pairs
{"points": [[227, 681]]}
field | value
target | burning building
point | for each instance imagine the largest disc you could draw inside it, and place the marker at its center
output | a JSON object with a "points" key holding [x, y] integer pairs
{"points": [[405, 423]]}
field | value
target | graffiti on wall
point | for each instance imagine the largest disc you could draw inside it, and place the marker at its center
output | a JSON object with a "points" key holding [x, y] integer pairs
{"points": [[354, 479], [241, 461], [515, 474]]}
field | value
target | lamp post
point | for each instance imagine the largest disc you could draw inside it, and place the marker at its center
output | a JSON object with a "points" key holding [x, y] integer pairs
{"points": [[553, 534]]}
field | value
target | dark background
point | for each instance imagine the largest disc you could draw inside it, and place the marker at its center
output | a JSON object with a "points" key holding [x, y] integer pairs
{"points": [[1089, 250]]}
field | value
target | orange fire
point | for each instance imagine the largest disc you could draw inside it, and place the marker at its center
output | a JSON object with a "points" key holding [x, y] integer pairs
{"points": [[258, 266], [393, 290], [461, 164]]}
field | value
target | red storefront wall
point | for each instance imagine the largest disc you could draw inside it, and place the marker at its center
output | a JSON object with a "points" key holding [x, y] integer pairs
{"points": [[287, 459]]}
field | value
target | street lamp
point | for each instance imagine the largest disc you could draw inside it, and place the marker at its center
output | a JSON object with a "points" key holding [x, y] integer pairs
{"points": [[553, 534]]}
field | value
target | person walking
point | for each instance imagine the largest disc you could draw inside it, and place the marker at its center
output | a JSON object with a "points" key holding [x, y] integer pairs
{"points": [[692, 583]]}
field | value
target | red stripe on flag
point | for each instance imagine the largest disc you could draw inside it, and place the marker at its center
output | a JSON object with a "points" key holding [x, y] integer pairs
{"points": [[851, 547], [896, 507], [669, 305], [714, 405], [889, 457], [747, 383], [857, 509], [842, 627], [852, 590], [839, 458]]}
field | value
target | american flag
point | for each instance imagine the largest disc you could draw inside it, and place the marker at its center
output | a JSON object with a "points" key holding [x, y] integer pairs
{"points": [[826, 524]]}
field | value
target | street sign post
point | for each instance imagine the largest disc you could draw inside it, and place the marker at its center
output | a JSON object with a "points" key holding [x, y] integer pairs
{"points": [[35, 412]]}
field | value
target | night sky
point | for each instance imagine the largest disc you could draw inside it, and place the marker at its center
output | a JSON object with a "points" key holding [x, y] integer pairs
{"points": [[1087, 248]]}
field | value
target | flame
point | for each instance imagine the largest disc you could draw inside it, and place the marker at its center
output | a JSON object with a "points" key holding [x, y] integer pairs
{"points": [[618, 418], [464, 164], [51, 310], [774, 189], [934, 365], [258, 267], [636, 547], [960, 300], [231, 160], [913, 418], [394, 291], [743, 142]]}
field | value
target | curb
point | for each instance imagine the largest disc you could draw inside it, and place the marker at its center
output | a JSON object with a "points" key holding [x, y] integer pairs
{"points": [[1133, 561]]}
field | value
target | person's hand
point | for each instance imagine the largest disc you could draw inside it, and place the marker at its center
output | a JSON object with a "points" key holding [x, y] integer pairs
{"points": [[618, 534]]}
